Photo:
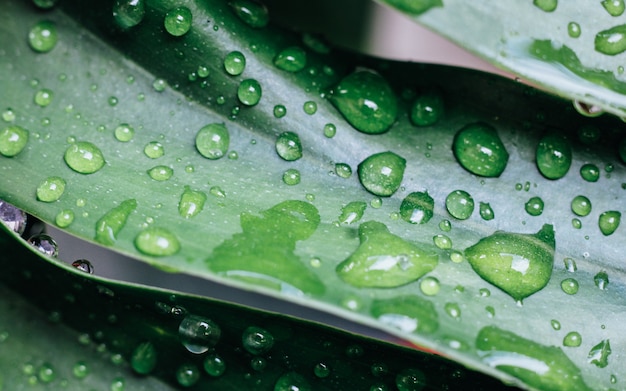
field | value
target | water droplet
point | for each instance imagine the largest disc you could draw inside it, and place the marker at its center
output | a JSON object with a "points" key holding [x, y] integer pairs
{"points": [[235, 63], [217, 191], [46, 373], [124, 133], [352, 212], [159, 85], [214, 365], [8, 115], [257, 340], [430, 286], [160, 173], [154, 150], [310, 107], [486, 212], [213, 140], [581, 205], [191, 202], [453, 310], [443, 242], [599, 354], [43, 36], [570, 265], [45, 4], [573, 29], [84, 266], [280, 111], [601, 280], [576, 223], [538, 366], [384, 260], [409, 313], [44, 244], [84, 157], [381, 174], [118, 384], [460, 204], [546, 5], [187, 375], [572, 339], [157, 242], [177, 21], [343, 170], [291, 177], [249, 92], [609, 222], [556, 325], [258, 364], [321, 370], [519, 264], [478, 148], [43, 97], [198, 334], [144, 358], [417, 208], [64, 218], [330, 130], [291, 59], [80, 370], [128, 13], [367, 102], [411, 380], [288, 146], [112, 222], [588, 110], [427, 109], [611, 41], [590, 172], [292, 381], [251, 12], [569, 286], [553, 156], [534, 206], [445, 225], [51, 189]]}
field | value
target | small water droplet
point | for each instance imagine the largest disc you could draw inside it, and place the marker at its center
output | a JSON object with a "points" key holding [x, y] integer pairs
{"points": [[553, 156], [64, 218], [573, 29], [590, 172], [576, 223], [546, 5], [601, 280], [280, 111], [411, 380], [486, 212], [44, 244], [321, 370], [292, 381], [382, 173], [352, 212], [569, 286], [45, 4], [249, 92], [214, 365], [310, 107], [213, 140], [588, 110], [43, 36], [330, 130], [84, 266], [160, 173], [534, 206], [157, 242], [159, 85], [191, 202], [154, 150], [570, 265], [128, 13], [46, 373], [611, 41], [51, 189], [427, 108], [198, 334], [581, 205], [177, 21], [251, 12], [430, 286], [80, 370], [234, 63], [599, 354], [124, 132], [257, 340], [84, 157], [478, 148], [291, 177], [445, 225], [288, 146], [443, 242], [291, 59], [460, 204], [43, 97], [609, 222], [143, 360], [417, 208], [187, 375], [572, 339], [343, 170]]}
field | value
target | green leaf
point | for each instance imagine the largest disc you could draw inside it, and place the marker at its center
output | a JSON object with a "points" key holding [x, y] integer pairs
{"points": [[572, 48], [254, 220]]}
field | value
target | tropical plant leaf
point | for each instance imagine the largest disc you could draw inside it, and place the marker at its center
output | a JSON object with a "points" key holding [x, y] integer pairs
{"points": [[574, 49], [327, 241]]}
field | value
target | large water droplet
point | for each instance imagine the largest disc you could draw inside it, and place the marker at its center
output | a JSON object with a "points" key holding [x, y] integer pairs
{"points": [[112, 222], [381, 174], [43, 36], [51, 189], [44, 244], [84, 157], [13, 217], [519, 264], [13, 139], [198, 334], [213, 140], [367, 102], [352, 212], [288, 146], [257, 340], [157, 242], [128, 13], [460, 204], [144, 358], [427, 109], [291, 59], [177, 21], [251, 12], [609, 222], [417, 208], [599, 354], [249, 92], [479, 149], [538, 366], [235, 63], [611, 41], [581, 205], [553, 156], [191, 202], [614, 7], [384, 260]]}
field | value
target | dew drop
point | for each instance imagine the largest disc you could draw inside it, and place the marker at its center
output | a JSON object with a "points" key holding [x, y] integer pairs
{"points": [[43, 97], [445, 225], [427, 109], [235, 63], [154, 150], [217, 191], [187, 375], [330, 130], [251, 12], [553, 156], [572, 339], [382, 173], [570, 265], [118, 384], [343, 170], [124, 133], [198, 334], [214, 365], [43, 37], [534, 206], [614, 7], [292, 381], [581, 205], [291, 177], [599, 354], [443, 242], [8, 115], [191, 202], [128, 13], [569, 286], [143, 360], [64, 218], [44, 244], [249, 92], [51, 189], [84, 157], [280, 111], [611, 41], [177, 21], [417, 208], [213, 140], [291, 59], [257, 340], [160, 173], [546, 5], [321, 370], [519, 264], [352, 212], [310, 107], [590, 172], [112, 222], [573, 29], [159, 85], [157, 242], [609, 222], [410, 380], [84, 266], [478, 148], [367, 102], [460, 204], [80, 370], [430, 286], [486, 212], [46, 373], [601, 279], [588, 110], [288, 146]]}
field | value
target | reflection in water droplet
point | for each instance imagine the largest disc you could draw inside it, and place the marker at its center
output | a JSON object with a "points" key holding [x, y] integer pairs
{"points": [[588, 110], [198, 334], [44, 244], [84, 266]]}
